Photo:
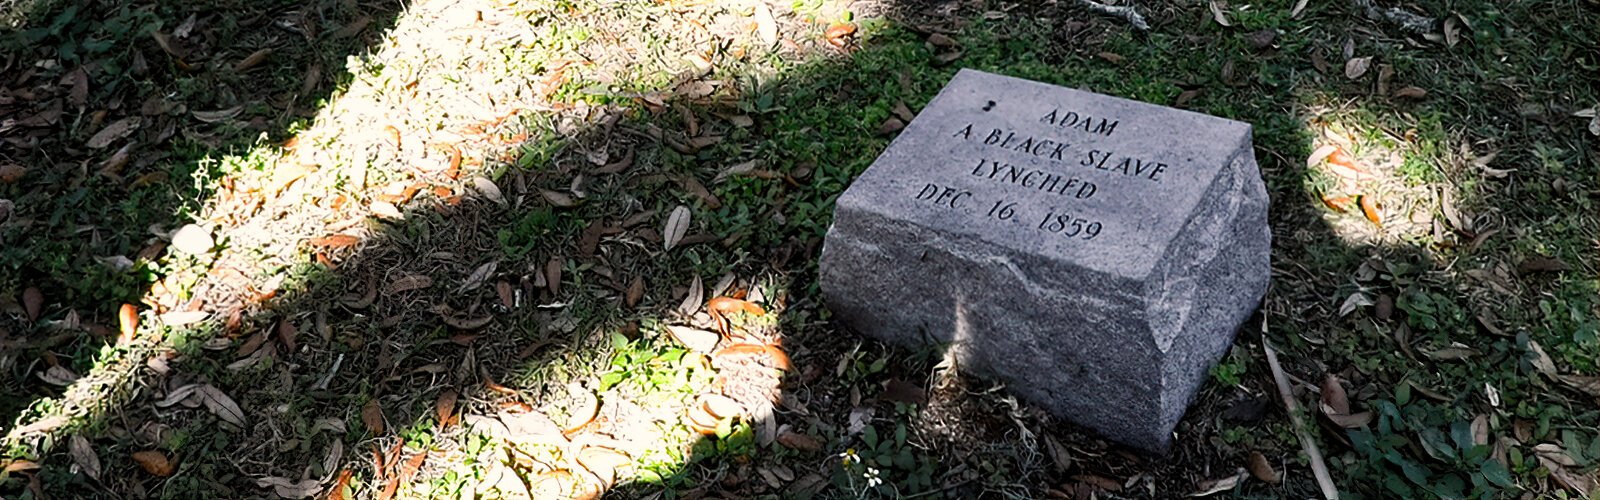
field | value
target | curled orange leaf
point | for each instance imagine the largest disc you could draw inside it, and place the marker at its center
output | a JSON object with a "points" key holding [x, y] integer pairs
{"points": [[128, 318], [1370, 208]]}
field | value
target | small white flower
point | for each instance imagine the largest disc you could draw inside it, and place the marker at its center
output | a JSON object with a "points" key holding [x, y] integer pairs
{"points": [[873, 480], [849, 457]]}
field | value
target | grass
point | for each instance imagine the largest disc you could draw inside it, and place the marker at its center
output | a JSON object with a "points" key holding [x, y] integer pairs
{"points": [[1452, 376]]}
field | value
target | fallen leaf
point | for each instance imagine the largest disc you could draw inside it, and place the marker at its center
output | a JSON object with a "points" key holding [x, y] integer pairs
{"points": [[353, 28], [552, 275], [693, 299], [1214, 486], [699, 190], [1369, 208], [1540, 263], [1335, 405], [114, 131], [766, 26], [287, 488], [697, 340], [128, 320], [558, 198], [1356, 67], [407, 283], [154, 462], [1218, 16], [11, 173], [1299, 8], [838, 33], [677, 226], [1410, 92], [445, 406], [372, 417], [58, 376], [218, 115], [798, 441], [193, 240], [1262, 469], [891, 126], [1542, 361], [531, 426], [337, 491], [32, 302], [603, 463], [586, 410], [1100, 482], [334, 241], [488, 189], [635, 293], [1262, 39], [220, 404], [252, 60], [901, 391], [1587, 384], [942, 40], [83, 454], [946, 58], [738, 169]]}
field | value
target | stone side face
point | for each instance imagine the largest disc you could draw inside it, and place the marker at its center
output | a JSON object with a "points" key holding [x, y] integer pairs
{"points": [[1115, 333]]}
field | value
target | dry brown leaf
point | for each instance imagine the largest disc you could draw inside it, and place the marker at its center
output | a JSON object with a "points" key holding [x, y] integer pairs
{"points": [[154, 462], [461, 323], [507, 296], [337, 491], [798, 441], [559, 199], [220, 404], [839, 33], [445, 406], [891, 126], [1336, 405], [1215, 486], [720, 407], [289, 488], [942, 40], [1540, 263], [588, 407], [334, 241], [1371, 209], [1542, 361], [697, 340], [901, 391], [1357, 67], [766, 26], [407, 283], [32, 302], [635, 293], [11, 173], [1410, 92], [84, 455], [677, 226], [19, 465], [488, 189], [532, 426], [252, 60], [287, 334], [699, 190], [552, 275], [128, 321], [693, 298], [1262, 469], [699, 420], [1587, 384], [372, 417], [114, 131], [1218, 16], [218, 115], [604, 463]]}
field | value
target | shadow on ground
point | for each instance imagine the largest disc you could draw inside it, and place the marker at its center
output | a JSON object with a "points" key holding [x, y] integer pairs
{"points": [[506, 303]]}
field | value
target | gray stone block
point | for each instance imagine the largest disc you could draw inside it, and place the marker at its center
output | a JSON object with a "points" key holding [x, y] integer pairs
{"points": [[1096, 254]]}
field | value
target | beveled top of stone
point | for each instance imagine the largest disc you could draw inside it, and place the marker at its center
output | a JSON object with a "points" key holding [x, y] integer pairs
{"points": [[1004, 139]]}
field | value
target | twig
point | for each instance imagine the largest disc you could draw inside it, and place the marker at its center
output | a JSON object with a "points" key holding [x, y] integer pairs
{"points": [[1406, 20], [1124, 12], [1318, 468]]}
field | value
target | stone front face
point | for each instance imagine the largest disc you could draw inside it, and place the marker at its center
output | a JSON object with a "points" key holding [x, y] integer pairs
{"points": [[1094, 253]]}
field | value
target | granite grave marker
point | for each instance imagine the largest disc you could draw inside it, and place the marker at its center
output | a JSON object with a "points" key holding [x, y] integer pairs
{"points": [[1096, 254]]}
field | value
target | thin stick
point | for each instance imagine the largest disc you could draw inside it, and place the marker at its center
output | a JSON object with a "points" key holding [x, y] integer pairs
{"points": [[1123, 12], [1318, 468]]}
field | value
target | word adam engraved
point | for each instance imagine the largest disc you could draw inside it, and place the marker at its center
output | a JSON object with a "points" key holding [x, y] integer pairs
{"points": [[1095, 253]]}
